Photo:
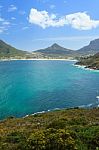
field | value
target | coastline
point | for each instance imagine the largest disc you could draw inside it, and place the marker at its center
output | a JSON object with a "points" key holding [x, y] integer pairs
{"points": [[83, 106], [86, 68], [87, 106], [39, 59]]}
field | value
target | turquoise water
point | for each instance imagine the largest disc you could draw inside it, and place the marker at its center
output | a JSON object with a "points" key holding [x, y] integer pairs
{"points": [[27, 87]]}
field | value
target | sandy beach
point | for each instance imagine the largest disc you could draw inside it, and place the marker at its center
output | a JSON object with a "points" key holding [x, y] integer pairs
{"points": [[38, 59]]}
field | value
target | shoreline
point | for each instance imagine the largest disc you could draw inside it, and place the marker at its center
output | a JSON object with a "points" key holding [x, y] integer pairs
{"points": [[54, 59], [83, 106], [87, 106], [86, 68]]}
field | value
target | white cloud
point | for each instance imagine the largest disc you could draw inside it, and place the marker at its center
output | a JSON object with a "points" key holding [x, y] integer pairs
{"points": [[4, 25], [1, 29], [12, 8], [25, 28], [1, 19], [13, 18], [79, 20], [43, 19]]}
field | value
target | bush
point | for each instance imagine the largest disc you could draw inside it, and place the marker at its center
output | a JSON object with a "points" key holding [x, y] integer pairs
{"points": [[57, 124], [15, 137], [59, 140], [90, 136], [36, 141]]}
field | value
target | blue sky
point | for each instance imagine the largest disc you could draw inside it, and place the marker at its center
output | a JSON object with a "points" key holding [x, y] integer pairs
{"points": [[34, 24]]}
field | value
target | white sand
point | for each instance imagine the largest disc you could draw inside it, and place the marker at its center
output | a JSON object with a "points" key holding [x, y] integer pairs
{"points": [[38, 59]]}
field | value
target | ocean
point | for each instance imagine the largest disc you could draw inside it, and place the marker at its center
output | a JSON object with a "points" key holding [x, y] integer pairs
{"points": [[31, 86]]}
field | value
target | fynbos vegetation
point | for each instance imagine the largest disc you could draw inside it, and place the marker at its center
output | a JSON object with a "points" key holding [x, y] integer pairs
{"points": [[72, 129]]}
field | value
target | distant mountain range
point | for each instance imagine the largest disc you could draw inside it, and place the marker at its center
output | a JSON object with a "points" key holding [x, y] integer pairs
{"points": [[54, 51], [90, 49]]}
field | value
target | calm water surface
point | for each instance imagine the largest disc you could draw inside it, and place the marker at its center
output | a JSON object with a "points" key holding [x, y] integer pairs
{"points": [[27, 87]]}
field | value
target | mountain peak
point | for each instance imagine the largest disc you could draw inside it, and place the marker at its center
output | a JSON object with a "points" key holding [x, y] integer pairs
{"points": [[95, 42], [55, 46], [56, 49], [90, 49]]}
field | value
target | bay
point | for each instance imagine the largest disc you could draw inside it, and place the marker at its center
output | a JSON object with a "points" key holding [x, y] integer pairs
{"points": [[30, 86]]}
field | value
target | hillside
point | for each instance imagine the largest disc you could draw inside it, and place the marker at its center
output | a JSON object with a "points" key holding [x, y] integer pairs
{"points": [[9, 51], [70, 129], [90, 62], [90, 49], [56, 50]]}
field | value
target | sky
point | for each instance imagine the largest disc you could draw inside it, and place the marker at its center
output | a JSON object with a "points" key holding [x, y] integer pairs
{"points": [[35, 24]]}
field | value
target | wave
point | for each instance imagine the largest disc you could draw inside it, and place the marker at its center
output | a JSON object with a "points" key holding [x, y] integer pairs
{"points": [[86, 106], [90, 105], [84, 67], [42, 112]]}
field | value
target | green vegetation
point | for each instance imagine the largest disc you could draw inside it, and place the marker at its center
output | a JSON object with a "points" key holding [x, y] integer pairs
{"points": [[53, 52], [7, 51], [70, 129], [56, 51], [90, 62]]}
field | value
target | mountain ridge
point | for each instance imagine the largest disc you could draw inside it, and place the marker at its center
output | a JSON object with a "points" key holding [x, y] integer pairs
{"points": [[56, 51], [7, 50], [91, 48], [53, 51]]}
